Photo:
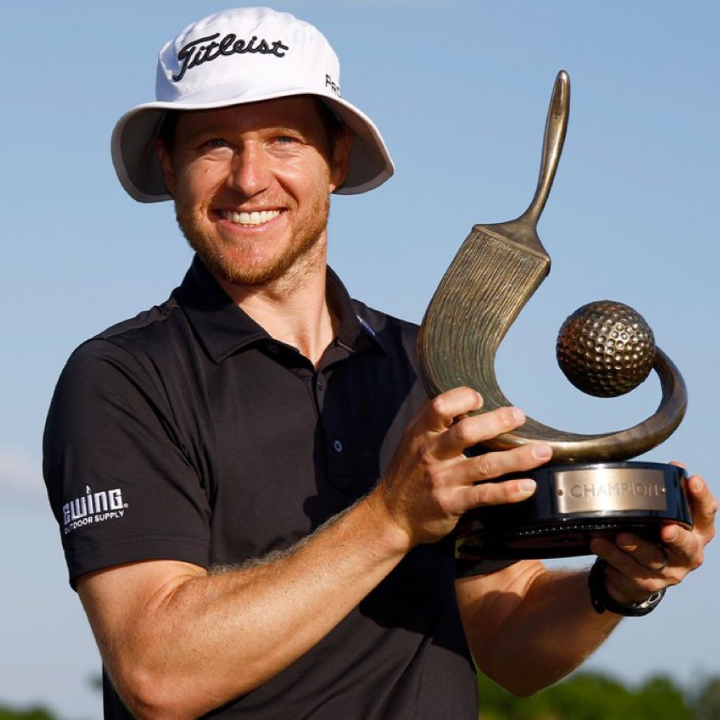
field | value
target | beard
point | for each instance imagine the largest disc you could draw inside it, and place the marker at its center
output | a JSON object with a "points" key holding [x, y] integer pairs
{"points": [[230, 263]]}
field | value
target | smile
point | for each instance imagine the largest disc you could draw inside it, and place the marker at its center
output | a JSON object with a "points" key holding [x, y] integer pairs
{"points": [[249, 218]]}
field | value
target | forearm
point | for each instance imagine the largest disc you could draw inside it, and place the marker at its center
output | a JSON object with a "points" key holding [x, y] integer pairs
{"points": [[203, 639], [550, 630]]}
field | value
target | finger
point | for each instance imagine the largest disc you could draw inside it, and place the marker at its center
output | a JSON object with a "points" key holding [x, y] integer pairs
{"points": [[442, 411], [683, 547], [504, 462], [471, 494], [627, 580], [470, 431], [494, 493], [617, 557], [645, 553], [703, 506]]}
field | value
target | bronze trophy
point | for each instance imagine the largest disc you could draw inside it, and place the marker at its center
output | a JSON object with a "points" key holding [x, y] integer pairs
{"points": [[604, 348]]}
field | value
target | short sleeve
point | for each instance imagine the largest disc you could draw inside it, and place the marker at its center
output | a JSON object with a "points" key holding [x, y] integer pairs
{"points": [[119, 482]]}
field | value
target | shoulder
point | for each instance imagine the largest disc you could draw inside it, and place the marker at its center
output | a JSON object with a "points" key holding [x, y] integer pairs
{"points": [[143, 331], [122, 362], [142, 321], [129, 342]]}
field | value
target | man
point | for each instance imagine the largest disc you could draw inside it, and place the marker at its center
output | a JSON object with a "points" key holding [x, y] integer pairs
{"points": [[255, 498]]}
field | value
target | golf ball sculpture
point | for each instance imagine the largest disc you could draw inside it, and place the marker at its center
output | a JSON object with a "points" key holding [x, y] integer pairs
{"points": [[605, 348]]}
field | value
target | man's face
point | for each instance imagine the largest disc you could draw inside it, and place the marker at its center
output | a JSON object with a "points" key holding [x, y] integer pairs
{"points": [[251, 185]]}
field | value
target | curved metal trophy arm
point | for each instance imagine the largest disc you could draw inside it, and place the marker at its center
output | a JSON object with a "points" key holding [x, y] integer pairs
{"points": [[493, 275]]}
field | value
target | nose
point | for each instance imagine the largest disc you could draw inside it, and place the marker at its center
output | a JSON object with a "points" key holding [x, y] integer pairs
{"points": [[250, 170]]}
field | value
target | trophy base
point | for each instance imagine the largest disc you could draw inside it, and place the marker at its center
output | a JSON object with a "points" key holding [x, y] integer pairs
{"points": [[574, 504]]}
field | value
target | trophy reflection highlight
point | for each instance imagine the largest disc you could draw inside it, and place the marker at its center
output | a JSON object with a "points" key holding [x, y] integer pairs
{"points": [[604, 348]]}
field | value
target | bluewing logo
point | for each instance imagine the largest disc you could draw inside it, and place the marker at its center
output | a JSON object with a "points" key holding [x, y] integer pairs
{"points": [[92, 508]]}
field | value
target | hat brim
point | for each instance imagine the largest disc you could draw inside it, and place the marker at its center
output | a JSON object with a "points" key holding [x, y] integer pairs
{"points": [[138, 167]]}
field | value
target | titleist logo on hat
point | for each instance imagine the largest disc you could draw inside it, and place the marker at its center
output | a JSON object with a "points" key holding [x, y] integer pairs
{"points": [[195, 53]]}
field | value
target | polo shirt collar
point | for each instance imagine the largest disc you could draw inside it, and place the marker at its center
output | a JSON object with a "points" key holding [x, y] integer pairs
{"points": [[224, 328]]}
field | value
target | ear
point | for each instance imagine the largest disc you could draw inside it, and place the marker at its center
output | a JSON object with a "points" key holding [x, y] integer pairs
{"points": [[168, 170], [340, 159]]}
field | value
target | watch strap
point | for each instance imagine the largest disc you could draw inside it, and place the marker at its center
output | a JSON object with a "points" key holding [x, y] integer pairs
{"points": [[602, 600]]}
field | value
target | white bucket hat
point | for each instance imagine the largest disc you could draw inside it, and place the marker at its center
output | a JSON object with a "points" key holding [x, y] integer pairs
{"points": [[236, 57]]}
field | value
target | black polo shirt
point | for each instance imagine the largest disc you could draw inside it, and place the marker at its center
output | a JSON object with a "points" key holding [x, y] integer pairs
{"points": [[188, 433]]}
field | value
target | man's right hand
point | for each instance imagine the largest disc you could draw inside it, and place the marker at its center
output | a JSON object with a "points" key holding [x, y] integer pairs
{"points": [[430, 483]]}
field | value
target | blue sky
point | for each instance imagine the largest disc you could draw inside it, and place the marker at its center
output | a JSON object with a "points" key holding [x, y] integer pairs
{"points": [[459, 88]]}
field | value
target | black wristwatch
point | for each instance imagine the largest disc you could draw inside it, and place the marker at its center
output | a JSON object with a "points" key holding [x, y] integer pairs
{"points": [[602, 600]]}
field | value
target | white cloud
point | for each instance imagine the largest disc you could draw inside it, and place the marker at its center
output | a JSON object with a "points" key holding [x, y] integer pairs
{"points": [[20, 477]]}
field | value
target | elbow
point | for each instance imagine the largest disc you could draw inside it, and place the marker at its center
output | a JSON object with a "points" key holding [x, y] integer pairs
{"points": [[527, 684], [158, 693], [524, 690], [154, 696]]}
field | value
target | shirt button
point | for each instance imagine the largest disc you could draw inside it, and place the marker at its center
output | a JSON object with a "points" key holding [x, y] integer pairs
{"points": [[337, 446], [273, 348]]}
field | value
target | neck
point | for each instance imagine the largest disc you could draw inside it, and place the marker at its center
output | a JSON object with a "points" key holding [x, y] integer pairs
{"points": [[295, 312]]}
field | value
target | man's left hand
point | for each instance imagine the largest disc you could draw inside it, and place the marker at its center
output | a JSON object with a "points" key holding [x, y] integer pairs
{"points": [[637, 568]]}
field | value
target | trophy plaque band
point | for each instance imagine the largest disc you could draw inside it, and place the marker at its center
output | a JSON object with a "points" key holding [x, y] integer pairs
{"points": [[572, 505]]}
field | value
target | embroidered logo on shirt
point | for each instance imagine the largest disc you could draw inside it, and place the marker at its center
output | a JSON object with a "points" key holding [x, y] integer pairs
{"points": [[92, 508]]}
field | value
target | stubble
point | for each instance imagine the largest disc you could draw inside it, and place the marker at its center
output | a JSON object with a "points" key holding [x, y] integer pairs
{"points": [[305, 250]]}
